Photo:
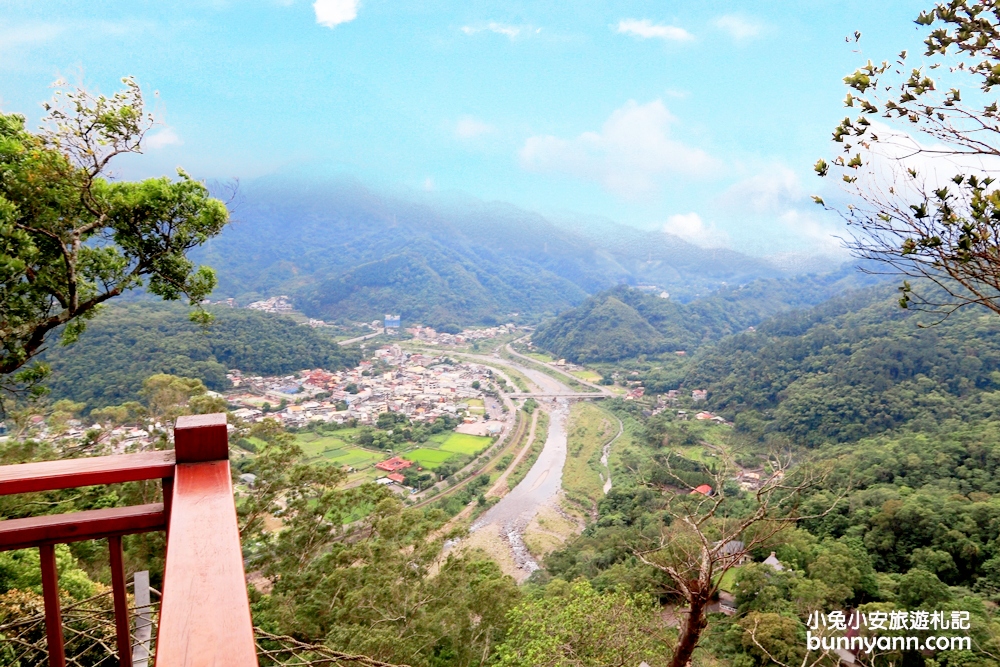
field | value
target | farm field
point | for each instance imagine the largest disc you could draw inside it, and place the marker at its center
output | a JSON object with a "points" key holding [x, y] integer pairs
{"points": [[314, 444], [427, 458], [338, 448], [459, 443], [589, 376]]}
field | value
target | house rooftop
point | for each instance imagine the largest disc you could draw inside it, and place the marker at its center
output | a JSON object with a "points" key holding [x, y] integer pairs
{"points": [[394, 464]]}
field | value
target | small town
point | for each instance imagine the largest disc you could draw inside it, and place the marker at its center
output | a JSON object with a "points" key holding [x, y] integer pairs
{"points": [[416, 385]]}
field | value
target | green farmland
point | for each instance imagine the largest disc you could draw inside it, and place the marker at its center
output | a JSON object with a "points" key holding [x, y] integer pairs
{"points": [[338, 448], [427, 458]]}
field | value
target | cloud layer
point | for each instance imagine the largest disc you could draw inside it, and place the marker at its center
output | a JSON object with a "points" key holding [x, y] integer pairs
{"points": [[629, 156], [646, 29], [331, 13], [691, 228], [165, 137]]}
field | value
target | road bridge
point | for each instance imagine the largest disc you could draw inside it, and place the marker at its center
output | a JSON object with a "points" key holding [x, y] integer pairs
{"points": [[589, 394]]}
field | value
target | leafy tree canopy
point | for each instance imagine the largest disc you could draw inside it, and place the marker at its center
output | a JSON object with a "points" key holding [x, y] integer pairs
{"points": [[70, 238]]}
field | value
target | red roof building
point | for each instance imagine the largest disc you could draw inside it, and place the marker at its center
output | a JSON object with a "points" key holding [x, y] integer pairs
{"points": [[396, 477], [704, 490], [394, 464]]}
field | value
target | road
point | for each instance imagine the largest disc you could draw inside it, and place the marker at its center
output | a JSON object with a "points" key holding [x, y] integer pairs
{"points": [[569, 376], [359, 338]]}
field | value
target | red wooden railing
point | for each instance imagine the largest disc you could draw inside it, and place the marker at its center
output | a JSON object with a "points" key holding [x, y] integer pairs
{"points": [[204, 612]]}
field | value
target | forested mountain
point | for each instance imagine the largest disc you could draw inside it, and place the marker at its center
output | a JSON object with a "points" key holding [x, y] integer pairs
{"points": [[342, 252], [851, 367], [623, 322], [127, 343]]}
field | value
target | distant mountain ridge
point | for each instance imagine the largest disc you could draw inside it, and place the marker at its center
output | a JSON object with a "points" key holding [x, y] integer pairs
{"points": [[623, 322], [342, 252]]}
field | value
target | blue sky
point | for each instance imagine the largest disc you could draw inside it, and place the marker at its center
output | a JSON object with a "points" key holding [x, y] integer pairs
{"points": [[698, 118]]}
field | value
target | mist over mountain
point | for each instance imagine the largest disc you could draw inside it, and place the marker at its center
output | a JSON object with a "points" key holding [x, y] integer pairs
{"points": [[343, 252]]}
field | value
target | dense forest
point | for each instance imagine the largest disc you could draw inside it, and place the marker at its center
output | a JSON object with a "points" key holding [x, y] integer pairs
{"points": [[128, 343], [851, 367], [624, 322]]}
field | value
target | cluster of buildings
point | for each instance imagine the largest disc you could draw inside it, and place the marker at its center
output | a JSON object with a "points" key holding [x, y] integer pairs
{"points": [[275, 304], [69, 433], [433, 337], [420, 386]]}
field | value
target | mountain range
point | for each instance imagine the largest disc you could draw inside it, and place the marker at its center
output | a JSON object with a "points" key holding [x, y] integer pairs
{"points": [[342, 252]]}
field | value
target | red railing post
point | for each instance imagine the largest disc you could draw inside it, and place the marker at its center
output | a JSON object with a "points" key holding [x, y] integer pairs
{"points": [[53, 615], [122, 624], [204, 611]]}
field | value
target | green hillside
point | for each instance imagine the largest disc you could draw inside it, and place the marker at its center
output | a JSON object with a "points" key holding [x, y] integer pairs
{"points": [[127, 343], [851, 367], [623, 322]]}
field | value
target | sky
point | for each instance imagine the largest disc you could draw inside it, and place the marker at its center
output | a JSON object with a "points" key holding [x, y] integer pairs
{"points": [[698, 119]]}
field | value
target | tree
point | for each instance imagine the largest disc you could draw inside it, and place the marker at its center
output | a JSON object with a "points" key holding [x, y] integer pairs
{"points": [[707, 534], [164, 393], [71, 239], [916, 161], [575, 625]]}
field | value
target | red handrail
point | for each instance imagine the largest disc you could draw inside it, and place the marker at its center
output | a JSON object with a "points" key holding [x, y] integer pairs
{"points": [[72, 473], [205, 614]]}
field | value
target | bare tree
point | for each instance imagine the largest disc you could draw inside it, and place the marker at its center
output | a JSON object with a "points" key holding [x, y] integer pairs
{"points": [[919, 161], [706, 537]]}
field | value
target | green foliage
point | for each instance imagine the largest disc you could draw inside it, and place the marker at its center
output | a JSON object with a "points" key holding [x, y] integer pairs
{"points": [[21, 570], [852, 367], [624, 323], [377, 595], [130, 342], [572, 624], [70, 239]]}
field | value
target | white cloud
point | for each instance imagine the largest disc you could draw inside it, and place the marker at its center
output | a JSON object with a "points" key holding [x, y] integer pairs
{"points": [[468, 127], [816, 230], [511, 31], [629, 156], [165, 137], [428, 184], [331, 13], [773, 189], [647, 30], [739, 27], [691, 228], [774, 198]]}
